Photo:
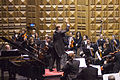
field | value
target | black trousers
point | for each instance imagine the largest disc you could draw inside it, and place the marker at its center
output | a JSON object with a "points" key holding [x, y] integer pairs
{"points": [[55, 57]]}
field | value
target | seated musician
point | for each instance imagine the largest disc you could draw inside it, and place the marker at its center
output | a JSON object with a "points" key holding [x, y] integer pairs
{"points": [[88, 73], [88, 49], [111, 77], [71, 42], [49, 52], [71, 68], [22, 35], [7, 47], [106, 49], [84, 42], [109, 43], [116, 68], [15, 36], [36, 37], [108, 64]]}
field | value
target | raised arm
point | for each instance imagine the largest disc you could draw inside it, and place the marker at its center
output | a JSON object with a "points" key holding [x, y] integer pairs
{"points": [[67, 27]]}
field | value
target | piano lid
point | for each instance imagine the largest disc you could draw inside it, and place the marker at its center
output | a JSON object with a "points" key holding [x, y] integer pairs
{"points": [[22, 49]]}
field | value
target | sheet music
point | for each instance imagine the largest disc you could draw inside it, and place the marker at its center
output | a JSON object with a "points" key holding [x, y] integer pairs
{"points": [[68, 52], [82, 62], [117, 76], [98, 67], [98, 56]]}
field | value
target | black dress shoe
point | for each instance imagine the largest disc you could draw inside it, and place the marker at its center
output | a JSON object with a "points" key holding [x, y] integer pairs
{"points": [[59, 71], [51, 70]]}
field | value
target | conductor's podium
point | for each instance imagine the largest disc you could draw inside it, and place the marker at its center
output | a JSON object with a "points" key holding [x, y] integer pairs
{"points": [[54, 75]]}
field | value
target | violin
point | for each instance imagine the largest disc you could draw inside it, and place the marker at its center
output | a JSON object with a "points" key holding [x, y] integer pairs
{"points": [[115, 52], [72, 44]]}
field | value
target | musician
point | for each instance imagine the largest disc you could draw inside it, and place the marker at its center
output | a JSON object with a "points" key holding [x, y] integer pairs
{"points": [[106, 49], [115, 43], [36, 38], [58, 43], [71, 68], [109, 43], [88, 73], [78, 41], [100, 41], [7, 47], [88, 49], [108, 64], [15, 36], [84, 42], [66, 42], [116, 68], [111, 77], [22, 35], [50, 53], [71, 42], [29, 44]]}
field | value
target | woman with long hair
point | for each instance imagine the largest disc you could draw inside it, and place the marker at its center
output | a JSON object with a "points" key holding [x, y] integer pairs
{"points": [[78, 41]]}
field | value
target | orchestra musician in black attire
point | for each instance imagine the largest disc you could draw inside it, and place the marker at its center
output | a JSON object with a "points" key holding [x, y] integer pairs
{"points": [[88, 73], [58, 44], [15, 37], [106, 49], [116, 67], [22, 35], [108, 64], [71, 42], [84, 41], [115, 42], [111, 77], [36, 38], [50, 53], [100, 41], [78, 41], [71, 68], [109, 43], [88, 49]]}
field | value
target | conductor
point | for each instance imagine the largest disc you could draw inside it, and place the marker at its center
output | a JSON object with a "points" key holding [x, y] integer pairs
{"points": [[58, 44]]}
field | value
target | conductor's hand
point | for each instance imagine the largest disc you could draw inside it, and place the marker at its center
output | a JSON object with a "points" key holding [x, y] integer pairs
{"points": [[66, 20]]}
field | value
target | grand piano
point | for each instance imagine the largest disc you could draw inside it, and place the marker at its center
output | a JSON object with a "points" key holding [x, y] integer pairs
{"points": [[28, 66]]}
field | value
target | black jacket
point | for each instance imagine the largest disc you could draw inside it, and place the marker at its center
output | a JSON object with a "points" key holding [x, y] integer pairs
{"points": [[71, 69], [116, 68], [58, 41], [89, 73]]}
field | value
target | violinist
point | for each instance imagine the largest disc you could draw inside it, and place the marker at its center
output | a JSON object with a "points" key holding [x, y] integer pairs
{"points": [[84, 42], [71, 42], [108, 64], [106, 49], [22, 35], [89, 49]]}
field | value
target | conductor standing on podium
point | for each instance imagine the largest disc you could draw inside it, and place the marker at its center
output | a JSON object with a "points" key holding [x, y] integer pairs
{"points": [[58, 43]]}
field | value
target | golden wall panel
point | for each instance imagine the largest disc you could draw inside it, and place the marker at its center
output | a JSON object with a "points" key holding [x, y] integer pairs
{"points": [[86, 16]]}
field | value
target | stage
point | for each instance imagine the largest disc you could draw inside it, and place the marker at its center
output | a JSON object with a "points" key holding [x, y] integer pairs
{"points": [[54, 75]]}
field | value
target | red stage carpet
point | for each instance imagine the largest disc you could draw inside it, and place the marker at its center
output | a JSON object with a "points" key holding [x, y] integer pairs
{"points": [[54, 75]]}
